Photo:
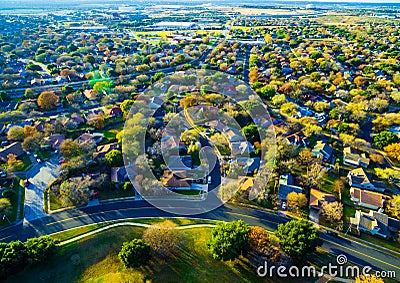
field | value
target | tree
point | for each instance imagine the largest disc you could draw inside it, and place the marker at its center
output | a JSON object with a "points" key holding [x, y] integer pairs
{"points": [[296, 202], [393, 207], [15, 133], [229, 240], [393, 151], [298, 238], [134, 253], [32, 143], [47, 100], [258, 239], [70, 148], [338, 187], [266, 91], [5, 207], [114, 158], [13, 257], [385, 138], [221, 142], [75, 191], [29, 93], [305, 157], [381, 124], [251, 133], [321, 106], [40, 249], [278, 99], [315, 175], [369, 279], [14, 164], [163, 238], [333, 212], [289, 109]]}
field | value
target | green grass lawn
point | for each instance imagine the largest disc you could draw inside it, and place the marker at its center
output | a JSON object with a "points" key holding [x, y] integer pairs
{"points": [[94, 259], [116, 193]]}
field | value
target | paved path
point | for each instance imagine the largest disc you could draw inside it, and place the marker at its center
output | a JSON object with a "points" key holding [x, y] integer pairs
{"points": [[39, 176]]}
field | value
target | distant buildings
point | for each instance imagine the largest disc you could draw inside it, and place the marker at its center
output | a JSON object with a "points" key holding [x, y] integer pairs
{"points": [[374, 223]]}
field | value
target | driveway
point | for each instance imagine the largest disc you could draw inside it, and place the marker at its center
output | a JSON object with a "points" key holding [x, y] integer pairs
{"points": [[39, 176]]}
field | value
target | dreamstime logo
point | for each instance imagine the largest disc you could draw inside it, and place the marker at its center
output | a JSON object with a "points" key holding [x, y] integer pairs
{"points": [[332, 270], [184, 143]]}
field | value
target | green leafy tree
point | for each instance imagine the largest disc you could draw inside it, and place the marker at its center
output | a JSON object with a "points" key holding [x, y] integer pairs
{"points": [[16, 133], [298, 238], [13, 257], [114, 158], [229, 240], [134, 253], [40, 249], [70, 148], [385, 138]]}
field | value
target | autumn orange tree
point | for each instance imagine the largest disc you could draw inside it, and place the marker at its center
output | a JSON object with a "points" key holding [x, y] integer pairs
{"points": [[47, 100], [258, 239]]}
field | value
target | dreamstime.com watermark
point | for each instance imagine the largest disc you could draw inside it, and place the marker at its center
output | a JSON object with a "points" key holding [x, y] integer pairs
{"points": [[338, 270]]}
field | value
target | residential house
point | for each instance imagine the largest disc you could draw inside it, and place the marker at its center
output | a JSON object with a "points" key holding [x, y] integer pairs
{"points": [[286, 186], [93, 112], [176, 162], [317, 198], [14, 148], [119, 175], [39, 126], [54, 141], [350, 157], [241, 147], [86, 137], [116, 111], [77, 119], [374, 223], [102, 150], [176, 180], [247, 165], [298, 139], [358, 178], [368, 199], [322, 150]]}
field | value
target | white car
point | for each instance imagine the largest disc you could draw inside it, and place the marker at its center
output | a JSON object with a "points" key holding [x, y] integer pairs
{"points": [[284, 205], [209, 180], [39, 160], [35, 155]]}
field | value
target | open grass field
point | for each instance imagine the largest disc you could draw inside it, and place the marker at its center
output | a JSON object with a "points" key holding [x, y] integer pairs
{"points": [[94, 259]]}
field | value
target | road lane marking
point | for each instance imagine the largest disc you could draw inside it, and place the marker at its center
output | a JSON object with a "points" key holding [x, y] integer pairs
{"points": [[368, 256]]}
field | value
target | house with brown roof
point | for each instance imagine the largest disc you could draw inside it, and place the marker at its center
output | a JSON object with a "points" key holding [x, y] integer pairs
{"points": [[361, 179], [54, 141], [176, 180], [116, 111], [298, 139], [368, 199], [86, 137], [14, 148], [102, 150], [317, 198]]}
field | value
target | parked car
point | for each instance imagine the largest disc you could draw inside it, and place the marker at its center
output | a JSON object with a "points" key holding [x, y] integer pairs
{"points": [[284, 205], [26, 183], [3, 174], [62, 161], [35, 155], [39, 160], [209, 180]]}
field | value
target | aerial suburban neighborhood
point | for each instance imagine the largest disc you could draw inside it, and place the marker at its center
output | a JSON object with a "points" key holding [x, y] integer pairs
{"points": [[195, 141]]}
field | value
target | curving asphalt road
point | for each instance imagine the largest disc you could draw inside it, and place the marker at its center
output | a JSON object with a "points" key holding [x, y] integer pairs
{"points": [[355, 252]]}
